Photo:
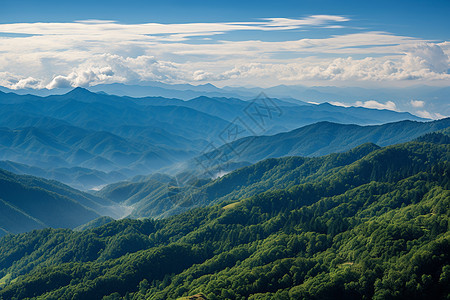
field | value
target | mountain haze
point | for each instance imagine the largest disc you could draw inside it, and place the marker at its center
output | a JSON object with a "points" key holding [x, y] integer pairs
{"points": [[159, 196], [319, 139], [88, 139], [29, 203]]}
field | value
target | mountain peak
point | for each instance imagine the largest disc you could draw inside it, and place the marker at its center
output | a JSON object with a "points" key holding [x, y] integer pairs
{"points": [[80, 91]]}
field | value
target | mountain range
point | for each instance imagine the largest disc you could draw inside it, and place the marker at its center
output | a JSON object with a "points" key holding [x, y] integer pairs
{"points": [[30, 202], [317, 139], [434, 99], [219, 197], [161, 196], [88, 139], [369, 223]]}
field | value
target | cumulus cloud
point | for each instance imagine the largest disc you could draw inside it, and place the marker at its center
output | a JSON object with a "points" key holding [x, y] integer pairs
{"points": [[417, 103], [338, 69], [432, 56], [201, 75], [60, 82], [144, 67], [90, 52], [376, 105], [19, 82], [26, 83], [109, 68], [82, 77]]}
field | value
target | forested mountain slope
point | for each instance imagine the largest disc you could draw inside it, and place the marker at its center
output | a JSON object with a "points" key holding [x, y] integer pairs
{"points": [[320, 139], [158, 197], [377, 227], [162, 196], [28, 203]]}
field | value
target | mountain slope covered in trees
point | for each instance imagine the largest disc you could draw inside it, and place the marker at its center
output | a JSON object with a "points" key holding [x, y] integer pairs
{"points": [[161, 197], [28, 203], [376, 227], [320, 139]]}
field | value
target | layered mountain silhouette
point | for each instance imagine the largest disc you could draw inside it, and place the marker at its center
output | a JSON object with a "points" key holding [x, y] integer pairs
{"points": [[436, 98], [162, 196], [28, 203], [317, 139], [221, 193], [88, 139]]}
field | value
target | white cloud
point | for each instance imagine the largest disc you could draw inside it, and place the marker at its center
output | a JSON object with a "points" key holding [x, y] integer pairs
{"points": [[432, 56], [60, 82], [219, 174], [337, 103], [315, 20], [19, 82], [82, 77], [417, 103], [94, 51], [154, 31], [390, 105], [201, 75], [338, 69], [424, 114], [429, 115], [376, 105], [28, 82]]}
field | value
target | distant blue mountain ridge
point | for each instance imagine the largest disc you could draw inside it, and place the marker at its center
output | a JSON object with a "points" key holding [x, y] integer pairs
{"points": [[435, 99], [88, 139]]}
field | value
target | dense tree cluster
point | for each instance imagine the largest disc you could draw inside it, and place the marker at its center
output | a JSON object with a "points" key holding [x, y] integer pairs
{"points": [[375, 226]]}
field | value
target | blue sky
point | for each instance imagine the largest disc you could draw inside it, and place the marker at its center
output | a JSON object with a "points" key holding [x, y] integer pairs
{"points": [[253, 43], [428, 19]]}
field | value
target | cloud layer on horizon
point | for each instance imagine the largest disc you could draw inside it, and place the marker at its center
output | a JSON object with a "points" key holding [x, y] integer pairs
{"points": [[84, 53], [416, 107]]}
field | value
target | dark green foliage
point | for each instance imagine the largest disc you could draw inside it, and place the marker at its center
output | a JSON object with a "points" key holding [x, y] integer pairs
{"points": [[95, 223], [374, 227], [150, 198], [435, 137], [28, 203]]}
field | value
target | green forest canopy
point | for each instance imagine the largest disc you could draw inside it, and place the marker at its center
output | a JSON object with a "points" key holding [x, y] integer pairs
{"points": [[374, 228]]}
